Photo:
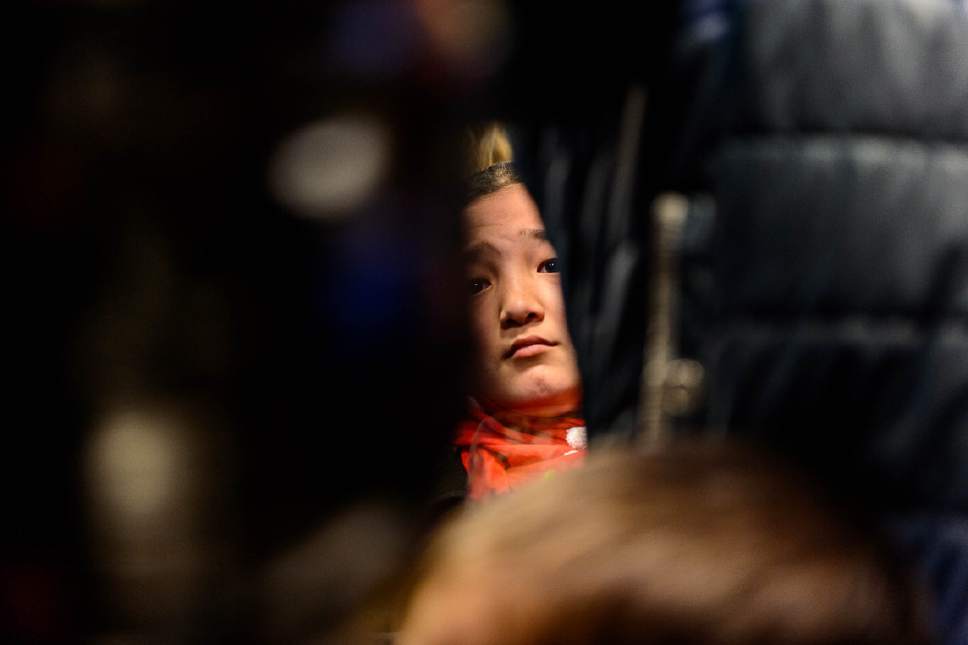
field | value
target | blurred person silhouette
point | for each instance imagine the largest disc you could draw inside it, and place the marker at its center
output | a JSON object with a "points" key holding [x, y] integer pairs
{"points": [[526, 389], [698, 543], [226, 381]]}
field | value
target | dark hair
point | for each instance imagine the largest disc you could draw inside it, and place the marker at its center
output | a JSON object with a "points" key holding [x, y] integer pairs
{"points": [[491, 179]]}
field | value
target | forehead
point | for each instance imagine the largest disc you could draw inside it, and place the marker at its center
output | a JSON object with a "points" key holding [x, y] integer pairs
{"points": [[504, 213]]}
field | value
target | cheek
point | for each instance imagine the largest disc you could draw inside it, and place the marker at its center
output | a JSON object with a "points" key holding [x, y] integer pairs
{"points": [[555, 305]]}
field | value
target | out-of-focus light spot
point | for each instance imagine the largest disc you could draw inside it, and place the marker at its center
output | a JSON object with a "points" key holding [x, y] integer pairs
{"points": [[473, 35], [133, 465], [329, 168], [152, 476]]}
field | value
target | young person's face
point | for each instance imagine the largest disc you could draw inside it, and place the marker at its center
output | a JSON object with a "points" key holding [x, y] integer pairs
{"points": [[525, 360]]}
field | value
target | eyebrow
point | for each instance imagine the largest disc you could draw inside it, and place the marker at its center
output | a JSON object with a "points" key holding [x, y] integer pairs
{"points": [[477, 249], [535, 233]]}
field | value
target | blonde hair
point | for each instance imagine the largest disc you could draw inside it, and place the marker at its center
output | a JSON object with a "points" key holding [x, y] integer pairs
{"points": [[489, 157], [489, 144]]}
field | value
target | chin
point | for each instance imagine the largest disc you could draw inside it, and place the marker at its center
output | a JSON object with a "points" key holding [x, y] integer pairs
{"points": [[544, 396]]}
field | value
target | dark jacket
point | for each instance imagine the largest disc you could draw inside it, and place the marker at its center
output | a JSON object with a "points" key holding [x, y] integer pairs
{"points": [[822, 269], [827, 297]]}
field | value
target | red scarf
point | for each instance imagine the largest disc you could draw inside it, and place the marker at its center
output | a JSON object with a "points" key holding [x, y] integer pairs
{"points": [[498, 458]]}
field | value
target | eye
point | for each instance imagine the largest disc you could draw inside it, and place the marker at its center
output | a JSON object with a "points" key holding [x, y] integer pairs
{"points": [[549, 266], [477, 285]]}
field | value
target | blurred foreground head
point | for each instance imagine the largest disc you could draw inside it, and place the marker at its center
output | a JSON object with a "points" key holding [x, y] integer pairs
{"points": [[697, 544]]}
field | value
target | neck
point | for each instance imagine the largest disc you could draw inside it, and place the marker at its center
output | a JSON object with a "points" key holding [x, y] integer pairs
{"points": [[549, 408]]}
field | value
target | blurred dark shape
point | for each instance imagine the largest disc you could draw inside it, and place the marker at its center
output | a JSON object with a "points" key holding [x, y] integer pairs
{"points": [[936, 543], [344, 561], [283, 369], [164, 256], [700, 543], [353, 47], [594, 161], [826, 297], [820, 272], [819, 262]]}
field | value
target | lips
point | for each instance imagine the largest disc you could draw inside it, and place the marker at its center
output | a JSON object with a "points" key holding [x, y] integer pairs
{"points": [[528, 346]]}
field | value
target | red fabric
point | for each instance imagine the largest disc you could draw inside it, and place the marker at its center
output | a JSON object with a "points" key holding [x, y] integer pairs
{"points": [[498, 457]]}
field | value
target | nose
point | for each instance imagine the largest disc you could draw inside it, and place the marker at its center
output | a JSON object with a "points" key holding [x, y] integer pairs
{"points": [[521, 305]]}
